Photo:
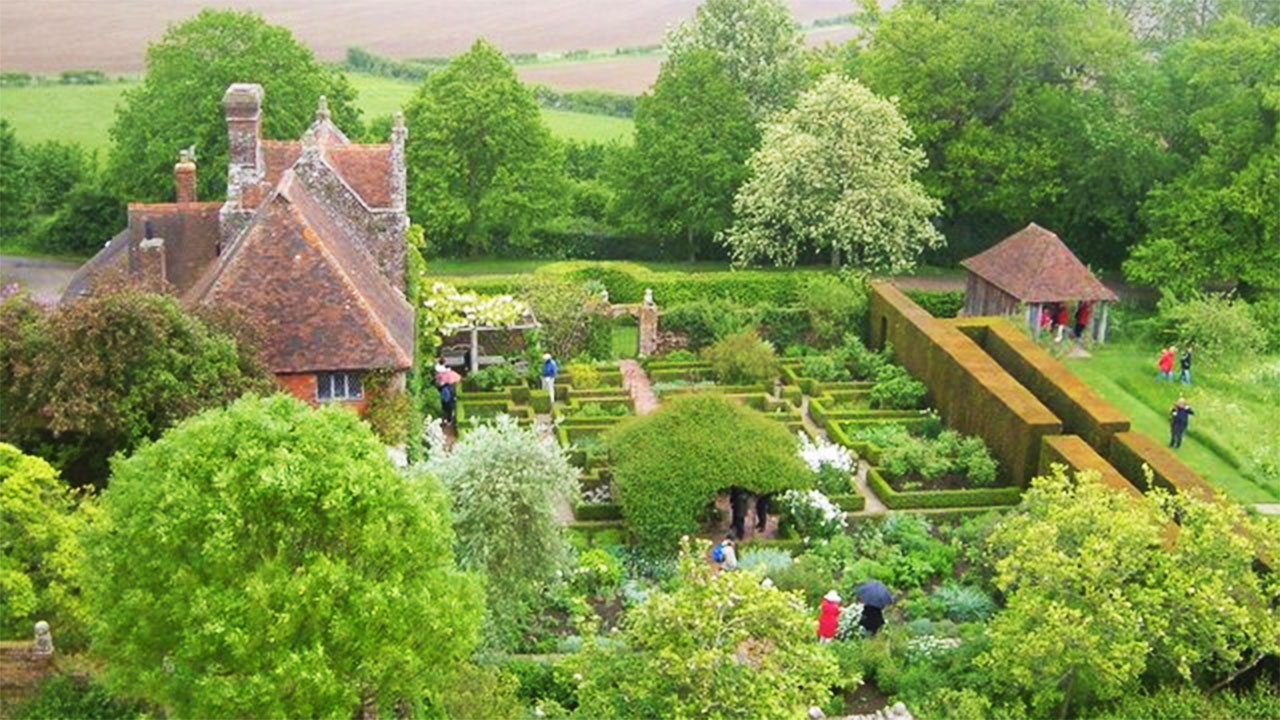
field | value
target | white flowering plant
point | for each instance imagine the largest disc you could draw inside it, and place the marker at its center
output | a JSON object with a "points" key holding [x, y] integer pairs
{"points": [[832, 464], [812, 514], [447, 309], [849, 625]]}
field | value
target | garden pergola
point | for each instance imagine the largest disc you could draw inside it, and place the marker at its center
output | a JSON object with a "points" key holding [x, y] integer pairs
{"points": [[472, 333], [1031, 269]]}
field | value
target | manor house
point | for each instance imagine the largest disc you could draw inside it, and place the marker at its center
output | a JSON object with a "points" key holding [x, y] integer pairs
{"points": [[309, 246]]}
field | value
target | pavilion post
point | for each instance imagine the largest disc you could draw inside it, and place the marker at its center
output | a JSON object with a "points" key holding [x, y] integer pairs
{"points": [[1102, 325], [1032, 316], [475, 349]]}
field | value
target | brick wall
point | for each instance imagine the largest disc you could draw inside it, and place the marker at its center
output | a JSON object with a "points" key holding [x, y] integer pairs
{"points": [[303, 387]]}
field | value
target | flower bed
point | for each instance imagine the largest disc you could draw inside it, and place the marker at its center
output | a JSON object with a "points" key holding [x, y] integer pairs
{"points": [[981, 497]]}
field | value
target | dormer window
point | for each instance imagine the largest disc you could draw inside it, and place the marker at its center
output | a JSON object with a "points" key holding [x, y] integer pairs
{"points": [[338, 386]]}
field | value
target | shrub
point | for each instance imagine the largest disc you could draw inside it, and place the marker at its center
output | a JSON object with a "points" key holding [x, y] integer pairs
{"points": [[833, 306], [597, 573], [387, 410], [767, 560], [494, 377], [704, 321], [965, 603], [939, 303], [824, 368], [668, 464], [1220, 327], [950, 452], [62, 696], [1266, 311], [895, 389], [742, 358], [810, 514], [862, 362], [583, 376]]}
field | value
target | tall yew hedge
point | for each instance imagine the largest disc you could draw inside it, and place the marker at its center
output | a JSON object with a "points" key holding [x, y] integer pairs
{"points": [[669, 464]]}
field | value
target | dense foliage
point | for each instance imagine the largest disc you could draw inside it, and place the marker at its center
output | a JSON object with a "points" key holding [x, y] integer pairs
{"points": [[506, 484], [835, 174], [482, 165], [106, 372], [668, 465], [40, 521], [717, 646], [267, 559], [742, 358], [179, 103]]}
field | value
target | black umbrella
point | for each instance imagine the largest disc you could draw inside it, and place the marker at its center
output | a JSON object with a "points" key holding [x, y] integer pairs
{"points": [[874, 593]]}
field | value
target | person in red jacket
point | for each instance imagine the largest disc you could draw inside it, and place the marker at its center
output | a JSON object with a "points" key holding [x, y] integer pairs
{"points": [[829, 616], [1061, 320], [1165, 364]]}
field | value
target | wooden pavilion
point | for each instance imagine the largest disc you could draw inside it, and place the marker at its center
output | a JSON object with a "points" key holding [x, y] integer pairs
{"points": [[1030, 271]]}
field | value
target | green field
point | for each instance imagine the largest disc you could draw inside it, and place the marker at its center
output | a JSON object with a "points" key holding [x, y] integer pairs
{"points": [[1232, 440], [83, 113]]}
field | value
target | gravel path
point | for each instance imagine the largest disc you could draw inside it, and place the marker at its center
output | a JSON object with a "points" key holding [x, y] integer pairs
{"points": [[636, 382], [44, 279]]}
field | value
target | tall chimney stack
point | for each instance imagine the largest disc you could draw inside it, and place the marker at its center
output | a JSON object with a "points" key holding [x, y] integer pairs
{"points": [[243, 107], [184, 176]]}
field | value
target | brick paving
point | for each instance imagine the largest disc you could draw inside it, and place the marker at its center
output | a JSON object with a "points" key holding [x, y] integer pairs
{"points": [[636, 381]]}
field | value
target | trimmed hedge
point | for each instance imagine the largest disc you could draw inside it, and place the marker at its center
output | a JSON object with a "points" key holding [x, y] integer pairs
{"points": [[971, 391], [938, 303], [597, 511], [978, 497], [1076, 454], [1131, 450], [1083, 411], [668, 464], [850, 503]]}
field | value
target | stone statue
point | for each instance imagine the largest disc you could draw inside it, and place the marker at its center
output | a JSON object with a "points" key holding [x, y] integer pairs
{"points": [[44, 640], [604, 295], [648, 296]]}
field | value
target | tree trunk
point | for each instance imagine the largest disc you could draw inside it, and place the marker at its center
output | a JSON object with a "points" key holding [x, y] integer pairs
{"points": [[835, 258]]}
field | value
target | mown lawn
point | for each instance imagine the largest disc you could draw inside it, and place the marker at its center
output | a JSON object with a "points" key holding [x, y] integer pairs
{"points": [[84, 113], [1233, 441], [626, 341]]}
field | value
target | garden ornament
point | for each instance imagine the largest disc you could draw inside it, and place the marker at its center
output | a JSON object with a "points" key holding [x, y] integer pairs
{"points": [[874, 593], [44, 639]]}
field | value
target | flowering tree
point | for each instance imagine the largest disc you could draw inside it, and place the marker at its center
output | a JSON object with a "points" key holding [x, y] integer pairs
{"points": [[836, 173], [718, 646], [506, 483], [448, 309]]}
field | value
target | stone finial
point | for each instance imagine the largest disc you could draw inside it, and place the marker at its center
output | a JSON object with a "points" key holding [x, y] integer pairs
{"points": [[815, 713], [310, 144], [322, 109], [44, 639], [648, 296], [187, 154], [398, 121]]}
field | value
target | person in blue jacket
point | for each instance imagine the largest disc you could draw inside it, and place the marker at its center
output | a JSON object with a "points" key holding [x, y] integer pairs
{"points": [[1179, 418], [549, 371]]}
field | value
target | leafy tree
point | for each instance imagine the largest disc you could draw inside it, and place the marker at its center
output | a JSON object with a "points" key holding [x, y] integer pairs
{"points": [[482, 165], [693, 137], [757, 43], [574, 320], [507, 484], [13, 185], [1097, 599], [835, 173], [87, 214], [52, 169], [1219, 220], [741, 358], [267, 559], [39, 549], [717, 646], [179, 102], [667, 465], [107, 372], [1037, 111]]}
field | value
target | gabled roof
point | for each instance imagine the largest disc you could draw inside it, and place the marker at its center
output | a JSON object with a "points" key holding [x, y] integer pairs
{"points": [[318, 295], [1035, 266]]}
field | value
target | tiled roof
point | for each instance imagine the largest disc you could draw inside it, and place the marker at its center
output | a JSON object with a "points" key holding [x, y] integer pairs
{"points": [[191, 233], [113, 257], [1035, 266], [278, 156], [320, 299], [367, 169]]}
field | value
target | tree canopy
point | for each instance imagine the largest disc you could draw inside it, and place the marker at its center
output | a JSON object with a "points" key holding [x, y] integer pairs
{"points": [[179, 103], [693, 137], [106, 372], [268, 560], [482, 165], [836, 173], [757, 43]]}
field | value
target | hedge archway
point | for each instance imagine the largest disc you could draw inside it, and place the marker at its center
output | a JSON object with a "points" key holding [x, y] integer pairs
{"points": [[668, 464]]}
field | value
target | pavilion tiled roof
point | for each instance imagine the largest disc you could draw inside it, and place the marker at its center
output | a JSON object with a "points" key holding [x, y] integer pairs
{"points": [[1035, 266]]}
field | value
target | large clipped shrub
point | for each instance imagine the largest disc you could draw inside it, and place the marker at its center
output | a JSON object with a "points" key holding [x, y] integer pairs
{"points": [[834, 307], [667, 465], [742, 358], [268, 560]]}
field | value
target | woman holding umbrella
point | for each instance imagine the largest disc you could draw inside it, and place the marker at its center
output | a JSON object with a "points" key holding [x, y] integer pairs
{"points": [[447, 383], [875, 597]]}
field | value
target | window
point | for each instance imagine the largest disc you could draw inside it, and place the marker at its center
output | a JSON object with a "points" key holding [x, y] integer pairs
{"points": [[337, 386]]}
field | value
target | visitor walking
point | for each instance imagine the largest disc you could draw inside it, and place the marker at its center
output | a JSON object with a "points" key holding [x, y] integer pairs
{"points": [[1082, 319], [1184, 363], [739, 498], [762, 511], [1061, 320], [1164, 366], [828, 616], [446, 381], [875, 598], [1179, 418], [549, 372]]}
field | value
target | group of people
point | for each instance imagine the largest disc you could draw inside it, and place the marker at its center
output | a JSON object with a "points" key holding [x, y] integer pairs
{"points": [[874, 596], [739, 504], [1055, 318], [1164, 364]]}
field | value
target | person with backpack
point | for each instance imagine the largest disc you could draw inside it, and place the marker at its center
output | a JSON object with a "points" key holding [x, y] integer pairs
{"points": [[724, 555], [549, 372], [448, 402]]}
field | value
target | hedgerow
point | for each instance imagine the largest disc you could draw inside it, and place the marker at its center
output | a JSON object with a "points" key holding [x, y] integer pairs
{"points": [[669, 464]]}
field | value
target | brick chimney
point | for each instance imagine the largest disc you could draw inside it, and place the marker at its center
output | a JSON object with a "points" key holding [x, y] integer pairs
{"points": [[184, 176], [243, 107]]}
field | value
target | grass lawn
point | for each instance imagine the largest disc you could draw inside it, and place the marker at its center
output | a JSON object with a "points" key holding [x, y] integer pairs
{"points": [[626, 341], [83, 113], [1232, 441]]}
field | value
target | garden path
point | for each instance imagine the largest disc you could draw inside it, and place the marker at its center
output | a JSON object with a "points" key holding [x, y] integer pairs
{"points": [[546, 429], [874, 505], [636, 382]]}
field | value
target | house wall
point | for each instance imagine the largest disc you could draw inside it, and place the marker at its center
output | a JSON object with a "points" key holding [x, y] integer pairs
{"points": [[983, 298], [303, 387]]}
